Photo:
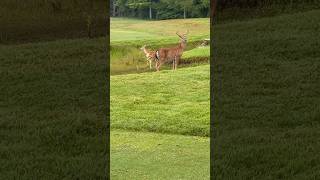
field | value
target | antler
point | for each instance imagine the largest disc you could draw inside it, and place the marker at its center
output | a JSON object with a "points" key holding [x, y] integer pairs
{"points": [[179, 35]]}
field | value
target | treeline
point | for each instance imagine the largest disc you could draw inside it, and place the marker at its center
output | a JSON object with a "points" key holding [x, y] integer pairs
{"points": [[169, 9], [160, 9], [40, 20], [225, 4]]}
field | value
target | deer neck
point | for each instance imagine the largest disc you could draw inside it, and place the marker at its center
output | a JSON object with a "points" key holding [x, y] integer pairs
{"points": [[183, 44], [145, 51]]}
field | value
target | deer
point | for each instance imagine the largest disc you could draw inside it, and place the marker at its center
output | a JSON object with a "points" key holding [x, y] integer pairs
{"points": [[172, 54], [150, 55]]}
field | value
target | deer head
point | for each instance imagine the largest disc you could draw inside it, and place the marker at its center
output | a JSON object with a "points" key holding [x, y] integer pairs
{"points": [[183, 37], [143, 47]]}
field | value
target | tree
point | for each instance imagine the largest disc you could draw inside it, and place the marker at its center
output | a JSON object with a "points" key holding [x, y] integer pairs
{"points": [[186, 5], [141, 5]]}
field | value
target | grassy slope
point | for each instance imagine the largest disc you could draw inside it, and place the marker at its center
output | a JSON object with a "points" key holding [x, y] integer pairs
{"points": [[123, 29], [267, 75], [136, 155], [52, 112], [165, 101]]}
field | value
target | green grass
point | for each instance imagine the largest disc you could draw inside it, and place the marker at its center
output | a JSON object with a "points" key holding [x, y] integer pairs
{"points": [[165, 101], [197, 52], [123, 29], [267, 98], [136, 155], [52, 116]]}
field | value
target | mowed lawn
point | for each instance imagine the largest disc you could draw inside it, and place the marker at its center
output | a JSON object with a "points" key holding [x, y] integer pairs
{"points": [[159, 120], [165, 102], [267, 92], [168, 101], [143, 155]]}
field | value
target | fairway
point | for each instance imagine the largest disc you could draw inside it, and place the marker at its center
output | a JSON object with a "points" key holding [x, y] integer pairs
{"points": [[137, 155], [170, 102], [159, 120]]}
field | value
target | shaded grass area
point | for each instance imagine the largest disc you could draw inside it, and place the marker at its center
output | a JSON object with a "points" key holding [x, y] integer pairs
{"points": [[52, 106], [38, 20], [267, 74], [166, 101], [140, 155], [266, 9]]}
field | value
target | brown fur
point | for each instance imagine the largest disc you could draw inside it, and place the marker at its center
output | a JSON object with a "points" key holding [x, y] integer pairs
{"points": [[172, 54], [150, 55]]}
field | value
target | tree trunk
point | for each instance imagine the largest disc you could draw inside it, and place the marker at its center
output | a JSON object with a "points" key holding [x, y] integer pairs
{"points": [[184, 12], [150, 12], [114, 9], [213, 8]]}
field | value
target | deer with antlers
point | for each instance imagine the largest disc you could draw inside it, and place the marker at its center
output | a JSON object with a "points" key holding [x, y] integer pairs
{"points": [[150, 55], [171, 54]]}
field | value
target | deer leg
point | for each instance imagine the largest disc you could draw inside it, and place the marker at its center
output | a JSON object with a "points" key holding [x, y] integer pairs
{"points": [[157, 66], [150, 65], [177, 62]]}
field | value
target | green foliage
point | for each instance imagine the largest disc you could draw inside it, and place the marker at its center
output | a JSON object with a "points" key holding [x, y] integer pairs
{"points": [[162, 9]]}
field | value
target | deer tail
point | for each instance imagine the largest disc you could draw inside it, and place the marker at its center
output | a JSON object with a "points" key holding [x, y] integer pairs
{"points": [[157, 54]]}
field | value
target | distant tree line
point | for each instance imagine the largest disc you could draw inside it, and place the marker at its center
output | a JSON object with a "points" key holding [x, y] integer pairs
{"points": [[160, 9], [169, 9], [224, 4]]}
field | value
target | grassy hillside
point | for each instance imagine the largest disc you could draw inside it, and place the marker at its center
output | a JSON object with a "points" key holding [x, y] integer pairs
{"points": [[52, 116], [267, 74]]}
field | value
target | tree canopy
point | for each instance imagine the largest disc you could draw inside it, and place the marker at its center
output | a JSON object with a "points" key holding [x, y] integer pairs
{"points": [[160, 9]]}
